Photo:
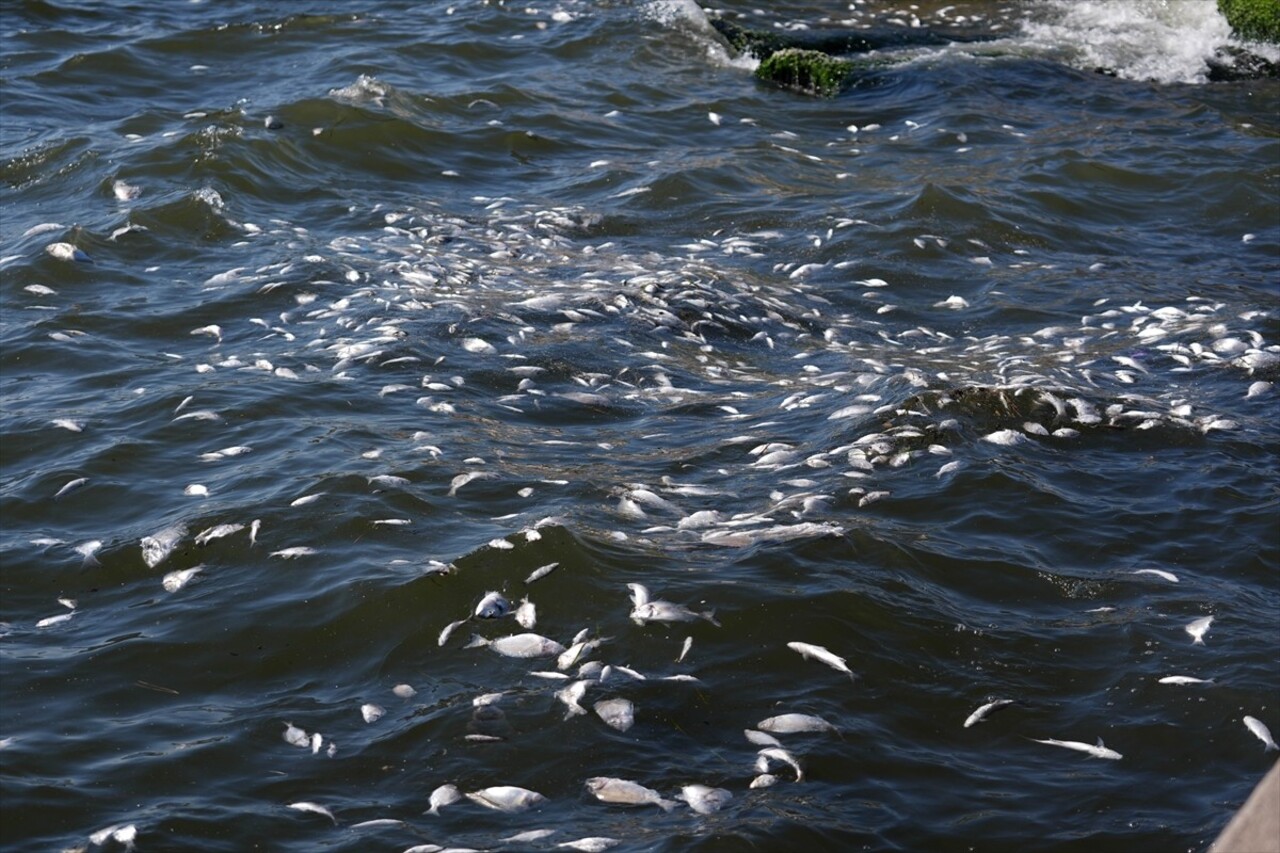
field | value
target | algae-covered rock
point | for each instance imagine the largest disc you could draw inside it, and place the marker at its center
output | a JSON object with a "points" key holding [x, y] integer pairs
{"points": [[808, 71], [1257, 20]]}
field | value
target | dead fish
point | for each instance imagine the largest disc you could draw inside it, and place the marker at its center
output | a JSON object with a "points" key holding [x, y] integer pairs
{"points": [[1160, 573], [1184, 679], [294, 552], [404, 691], [295, 736], [1198, 629], [448, 631], [306, 499], [818, 653], [591, 844], [666, 611], [575, 653], [254, 527], [88, 550], [764, 780], [158, 546], [315, 808], [371, 712], [1098, 751], [618, 714], [174, 581], [217, 532], [784, 724], [1263, 734], [704, 799], [519, 645], [506, 798], [684, 650], [624, 792], [777, 753], [987, 709], [73, 484], [528, 835], [494, 605], [196, 490], [540, 572], [571, 695], [761, 738], [50, 621], [526, 614], [377, 823], [445, 795]]}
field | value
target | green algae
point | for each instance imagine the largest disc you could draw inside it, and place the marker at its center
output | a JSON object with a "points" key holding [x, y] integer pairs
{"points": [[807, 71]]}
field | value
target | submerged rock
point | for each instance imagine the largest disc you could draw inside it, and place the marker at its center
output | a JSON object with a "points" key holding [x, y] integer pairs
{"points": [[805, 70]]}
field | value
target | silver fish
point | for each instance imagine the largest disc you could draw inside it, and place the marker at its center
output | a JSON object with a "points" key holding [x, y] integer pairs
{"points": [[1184, 679], [506, 798], [684, 650], [624, 792], [527, 614], [1198, 629], [315, 808], [577, 651], [528, 835], [823, 655], [519, 645], [704, 799], [1160, 573], [540, 572], [494, 605], [777, 753], [217, 532], [764, 780], [174, 581], [378, 823], [88, 550], [1260, 729], [73, 484], [982, 712], [254, 527], [666, 611], [448, 631], [295, 736], [591, 844], [571, 695], [784, 724], [618, 714], [761, 738], [1098, 751], [294, 552], [160, 545], [445, 795], [371, 712]]}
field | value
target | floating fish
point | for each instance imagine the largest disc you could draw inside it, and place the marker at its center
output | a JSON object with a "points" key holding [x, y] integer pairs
{"points": [[158, 546], [295, 736], [88, 550], [591, 844], [526, 614], [1160, 573], [1198, 629], [618, 714], [624, 792], [314, 808], [986, 710], [506, 798], [1184, 679], [73, 484], [777, 753], [494, 605], [371, 712], [519, 645], [1263, 734], [448, 631], [704, 799], [540, 572], [528, 835], [404, 691], [174, 581], [1098, 751], [792, 723], [378, 823], [571, 695], [295, 552], [206, 536], [822, 655], [445, 795]]}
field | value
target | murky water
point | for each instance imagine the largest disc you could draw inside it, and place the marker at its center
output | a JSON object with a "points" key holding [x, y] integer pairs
{"points": [[317, 327]]}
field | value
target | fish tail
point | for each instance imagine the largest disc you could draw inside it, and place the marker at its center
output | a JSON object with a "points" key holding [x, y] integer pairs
{"points": [[710, 616]]}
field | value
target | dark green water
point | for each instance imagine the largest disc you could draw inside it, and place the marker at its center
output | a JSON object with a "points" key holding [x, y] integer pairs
{"points": [[925, 374]]}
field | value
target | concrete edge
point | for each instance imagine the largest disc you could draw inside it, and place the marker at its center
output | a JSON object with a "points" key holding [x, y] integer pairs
{"points": [[1255, 828]]}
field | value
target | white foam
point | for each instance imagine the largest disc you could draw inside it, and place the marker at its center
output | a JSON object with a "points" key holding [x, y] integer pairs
{"points": [[1168, 42]]}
